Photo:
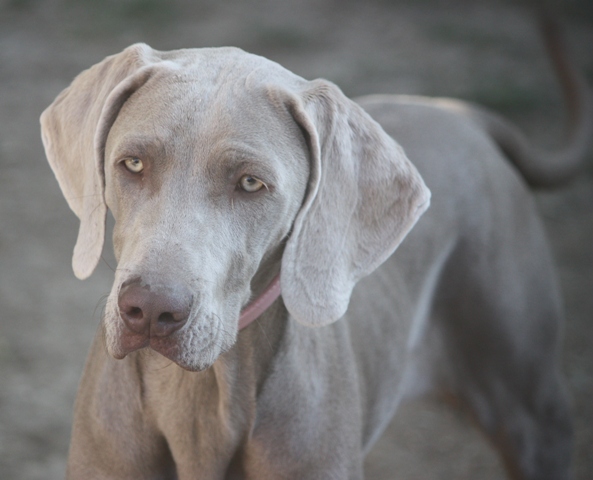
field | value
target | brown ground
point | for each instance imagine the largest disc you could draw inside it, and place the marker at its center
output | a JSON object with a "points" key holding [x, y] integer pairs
{"points": [[481, 50]]}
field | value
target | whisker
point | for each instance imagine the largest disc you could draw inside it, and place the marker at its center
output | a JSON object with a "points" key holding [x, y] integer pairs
{"points": [[106, 263], [102, 302]]}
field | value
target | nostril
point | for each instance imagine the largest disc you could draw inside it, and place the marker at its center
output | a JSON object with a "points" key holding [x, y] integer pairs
{"points": [[167, 323], [134, 306], [157, 310], [134, 318], [134, 313], [167, 317]]}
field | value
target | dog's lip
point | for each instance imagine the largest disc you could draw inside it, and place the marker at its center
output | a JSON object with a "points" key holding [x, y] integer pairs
{"points": [[167, 347], [173, 352], [170, 347], [130, 342]]}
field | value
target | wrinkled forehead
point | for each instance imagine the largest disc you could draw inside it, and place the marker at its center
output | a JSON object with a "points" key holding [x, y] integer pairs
{"points": [[206, 96]]}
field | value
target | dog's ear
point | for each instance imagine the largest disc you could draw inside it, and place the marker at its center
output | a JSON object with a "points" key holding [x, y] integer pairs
{"points": [[74, 130], [363, 197]]}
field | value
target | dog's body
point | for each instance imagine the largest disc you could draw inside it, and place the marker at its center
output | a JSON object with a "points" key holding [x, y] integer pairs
{"points": [[467, 306]]}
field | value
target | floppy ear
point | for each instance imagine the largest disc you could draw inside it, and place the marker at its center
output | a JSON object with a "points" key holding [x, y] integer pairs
{"points": [[74, 130], [363, 197]]}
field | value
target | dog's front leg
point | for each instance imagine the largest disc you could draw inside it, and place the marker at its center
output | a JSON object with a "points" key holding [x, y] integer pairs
{"points": [[112, 435]]}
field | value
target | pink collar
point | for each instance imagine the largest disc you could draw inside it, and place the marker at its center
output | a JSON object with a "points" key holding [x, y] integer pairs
{"points": [[261, 303]]}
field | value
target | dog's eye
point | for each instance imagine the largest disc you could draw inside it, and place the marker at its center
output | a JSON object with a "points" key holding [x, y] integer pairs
{"points": [[251, 184], [134, 164]]}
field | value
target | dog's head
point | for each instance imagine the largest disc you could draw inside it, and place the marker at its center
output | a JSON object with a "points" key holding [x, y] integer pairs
{"points": [[216, 164]]}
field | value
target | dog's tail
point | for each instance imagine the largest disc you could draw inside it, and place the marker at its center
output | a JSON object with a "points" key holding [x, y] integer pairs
{"points": [[549, 168]]}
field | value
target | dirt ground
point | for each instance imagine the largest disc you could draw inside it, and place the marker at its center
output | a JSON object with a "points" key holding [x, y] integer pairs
{"points": [[486, 51]]}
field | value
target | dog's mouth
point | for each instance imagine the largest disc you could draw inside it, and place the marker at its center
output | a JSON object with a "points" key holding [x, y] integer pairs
{"points": [[180, 321], [183, 350], [195, 346], [130, 342], [192, 338]]}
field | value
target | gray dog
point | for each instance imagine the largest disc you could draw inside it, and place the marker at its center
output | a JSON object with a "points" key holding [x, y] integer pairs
{"points": [[242, 192]]}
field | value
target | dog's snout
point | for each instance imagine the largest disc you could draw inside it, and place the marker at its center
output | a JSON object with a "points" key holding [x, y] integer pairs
{"points": [[155, 312]]}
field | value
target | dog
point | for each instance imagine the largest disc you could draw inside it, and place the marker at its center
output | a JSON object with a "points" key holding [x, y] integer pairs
{"points": [[282, 285]]}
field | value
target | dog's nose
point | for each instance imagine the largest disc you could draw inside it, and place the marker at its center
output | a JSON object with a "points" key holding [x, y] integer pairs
{"points": [[156, 311]]}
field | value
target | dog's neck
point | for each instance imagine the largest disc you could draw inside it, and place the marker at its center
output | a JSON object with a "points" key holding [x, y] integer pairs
{"points": [[265, 286], [260, 304]]}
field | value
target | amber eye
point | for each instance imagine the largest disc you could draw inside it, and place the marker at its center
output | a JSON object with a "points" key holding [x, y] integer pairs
{"points": [[251, 184], [134, 164]]}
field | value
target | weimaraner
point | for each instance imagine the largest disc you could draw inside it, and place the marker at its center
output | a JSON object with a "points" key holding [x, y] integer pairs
{"points": [[231, 179]]}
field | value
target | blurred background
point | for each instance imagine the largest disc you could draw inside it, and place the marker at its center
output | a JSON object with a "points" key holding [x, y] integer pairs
{"points": [[482, 50]]}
